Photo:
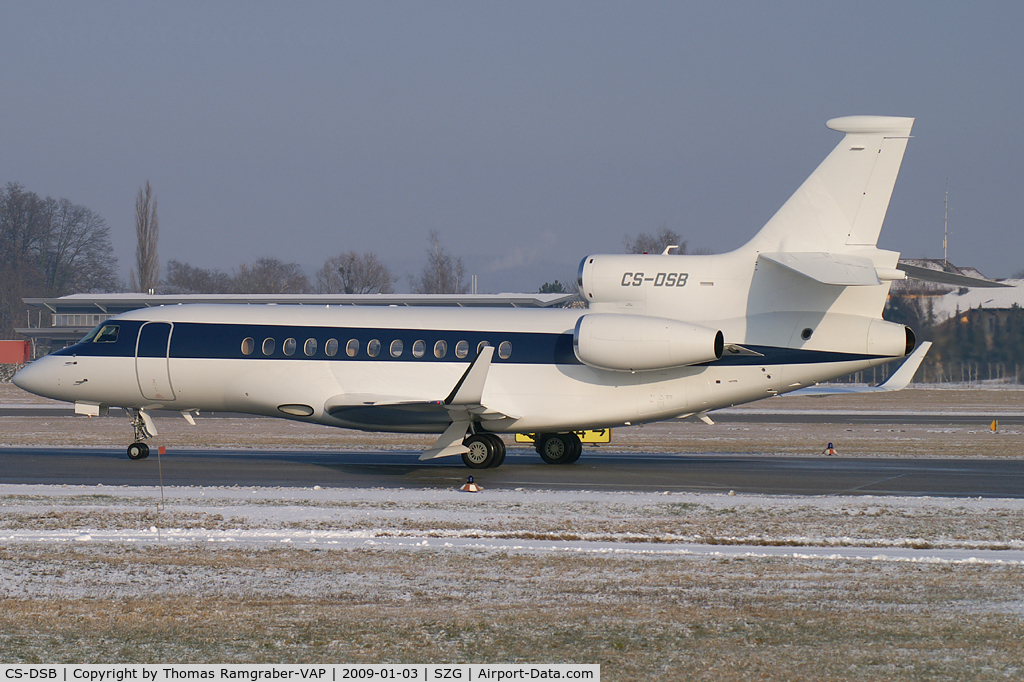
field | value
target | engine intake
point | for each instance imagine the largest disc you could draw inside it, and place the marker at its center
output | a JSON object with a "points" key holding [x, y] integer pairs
{"points": [[634, 343]]}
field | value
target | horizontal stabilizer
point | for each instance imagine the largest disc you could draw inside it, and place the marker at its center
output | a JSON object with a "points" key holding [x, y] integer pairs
{"points": [[942, 277], [829, 268]]}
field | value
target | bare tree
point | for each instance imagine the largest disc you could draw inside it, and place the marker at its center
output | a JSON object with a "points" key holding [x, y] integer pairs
{"points": [[655, 243], [442, 274], [182, 278], [270, 276], [354, 273], [147, 231], [48, 247], [22, 223], [75, 255]]}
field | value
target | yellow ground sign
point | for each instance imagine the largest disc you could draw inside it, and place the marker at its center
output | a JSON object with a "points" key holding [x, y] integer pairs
{"points": [[585, 436]]}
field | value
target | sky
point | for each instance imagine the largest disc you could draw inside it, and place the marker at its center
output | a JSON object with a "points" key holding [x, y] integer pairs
{"points": [[528, 134]]}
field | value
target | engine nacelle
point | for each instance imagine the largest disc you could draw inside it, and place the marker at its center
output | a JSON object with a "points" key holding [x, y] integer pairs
{"points": [[890, 339], [633, 343]]}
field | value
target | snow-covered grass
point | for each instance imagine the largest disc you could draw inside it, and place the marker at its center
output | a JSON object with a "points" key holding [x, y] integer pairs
{"points": [[695, 586], [651, 586]]}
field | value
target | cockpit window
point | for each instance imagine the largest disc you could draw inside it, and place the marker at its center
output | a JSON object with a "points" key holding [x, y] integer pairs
{"points": [[106, 333]]}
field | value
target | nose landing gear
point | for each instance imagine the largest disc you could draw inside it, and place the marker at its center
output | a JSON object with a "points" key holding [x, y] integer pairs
{"points": [[144, 428], [138, 451]]}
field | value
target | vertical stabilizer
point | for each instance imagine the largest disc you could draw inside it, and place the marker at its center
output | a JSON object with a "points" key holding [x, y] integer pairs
{"points": [[844, 201]]}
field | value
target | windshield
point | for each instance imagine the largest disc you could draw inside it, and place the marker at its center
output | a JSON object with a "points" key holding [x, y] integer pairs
{"points": [[105, 333]]}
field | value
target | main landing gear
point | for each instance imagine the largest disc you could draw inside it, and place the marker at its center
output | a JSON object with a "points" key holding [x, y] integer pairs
{"points": [[558, 448], [486, 450]]}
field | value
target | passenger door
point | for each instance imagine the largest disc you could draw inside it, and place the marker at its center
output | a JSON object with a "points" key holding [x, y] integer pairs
{"points": [[151, 353]]}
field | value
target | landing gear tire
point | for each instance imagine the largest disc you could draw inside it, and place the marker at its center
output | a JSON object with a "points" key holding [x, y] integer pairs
{"points": [[138, 451], [559, 448], [577, 449], [499, 449], [481, 451]]}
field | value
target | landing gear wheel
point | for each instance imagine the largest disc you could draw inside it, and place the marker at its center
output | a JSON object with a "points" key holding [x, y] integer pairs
{"points": [[499, 449], [138, 451], [559, 448], [577, 449], [481, 451]]}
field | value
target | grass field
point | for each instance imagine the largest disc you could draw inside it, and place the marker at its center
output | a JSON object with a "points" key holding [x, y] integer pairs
{"points": [[233, 575]]}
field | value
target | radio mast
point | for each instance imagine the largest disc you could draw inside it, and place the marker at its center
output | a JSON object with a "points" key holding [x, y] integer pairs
{"points": [[945, 226]]}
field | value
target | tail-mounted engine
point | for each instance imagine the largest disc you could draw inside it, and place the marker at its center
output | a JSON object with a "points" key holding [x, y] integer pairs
{"points": [[631, 343]]}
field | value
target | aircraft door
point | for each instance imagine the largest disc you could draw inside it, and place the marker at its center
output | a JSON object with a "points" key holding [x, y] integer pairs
{"points": [[151, 364]]}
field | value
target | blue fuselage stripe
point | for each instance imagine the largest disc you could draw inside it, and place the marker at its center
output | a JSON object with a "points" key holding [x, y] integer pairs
{"points": [[222, 341]]}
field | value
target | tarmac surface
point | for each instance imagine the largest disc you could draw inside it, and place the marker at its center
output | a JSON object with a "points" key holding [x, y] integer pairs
{"points": [[773, 475], [723, 417], [923, 442]]}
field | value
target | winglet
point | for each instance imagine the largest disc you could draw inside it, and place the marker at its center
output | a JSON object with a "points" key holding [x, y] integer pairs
{"points": [[470, 389], [900, 379], [464, 400]]}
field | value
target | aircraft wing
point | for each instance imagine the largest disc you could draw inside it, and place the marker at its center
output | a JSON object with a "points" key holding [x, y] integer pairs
{"points": [[463, 406], [897, 382]]}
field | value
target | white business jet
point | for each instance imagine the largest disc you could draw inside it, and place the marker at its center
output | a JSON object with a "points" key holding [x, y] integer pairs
{"points": [[664, 336]]}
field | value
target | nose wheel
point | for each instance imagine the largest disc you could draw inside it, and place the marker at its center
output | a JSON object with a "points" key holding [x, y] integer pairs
{"points": [[144, 428], [138, 451]]}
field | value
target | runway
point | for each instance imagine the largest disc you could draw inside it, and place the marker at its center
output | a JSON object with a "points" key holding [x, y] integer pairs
{"points": [[774, 475], [720, 417]]}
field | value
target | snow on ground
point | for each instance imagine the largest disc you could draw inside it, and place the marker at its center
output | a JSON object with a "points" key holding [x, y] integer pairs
{"points": [[917, 529]]}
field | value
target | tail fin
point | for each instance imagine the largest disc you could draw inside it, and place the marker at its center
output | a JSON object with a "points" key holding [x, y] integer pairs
{"points": [[844, 201]]}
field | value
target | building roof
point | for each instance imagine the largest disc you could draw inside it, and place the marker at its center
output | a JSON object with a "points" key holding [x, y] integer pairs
{"points": [[946, 306], [108, 305]]}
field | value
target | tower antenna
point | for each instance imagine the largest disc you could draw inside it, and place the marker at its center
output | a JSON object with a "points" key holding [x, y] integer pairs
{"points": [[945, 227]]}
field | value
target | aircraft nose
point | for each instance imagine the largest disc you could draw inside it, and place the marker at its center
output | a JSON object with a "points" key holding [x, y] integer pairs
{"points": [[36, 377]]}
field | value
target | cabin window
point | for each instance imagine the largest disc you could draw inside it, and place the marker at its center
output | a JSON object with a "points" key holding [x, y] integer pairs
{"points": [[248, 345], [289, 347], [480, 346], [505, 350], [268, 346], [419, 348], [331, 347], [396, 348], [352, 348], [373, 348], [309, 348], [462, 349], [441, 349]]}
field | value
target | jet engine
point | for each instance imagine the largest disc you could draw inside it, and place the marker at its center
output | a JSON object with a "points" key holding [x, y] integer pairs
{"points": [[632, 343]]}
